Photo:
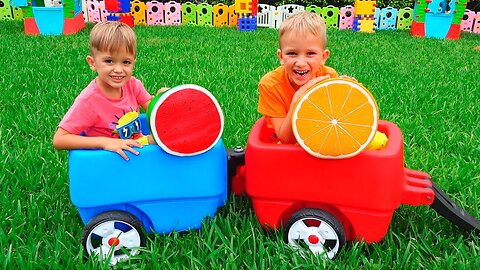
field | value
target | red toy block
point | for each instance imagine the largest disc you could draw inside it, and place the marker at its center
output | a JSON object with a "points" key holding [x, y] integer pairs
{"points": [[30, 26], [73, 25], [418, 29], [127, 18], [454, 32], [112, 6]]}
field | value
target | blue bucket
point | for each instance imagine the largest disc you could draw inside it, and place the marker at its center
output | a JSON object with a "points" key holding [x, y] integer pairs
{"points": [[49, 20]]}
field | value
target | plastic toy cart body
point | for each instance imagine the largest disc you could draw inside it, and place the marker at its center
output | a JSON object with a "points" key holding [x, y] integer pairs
{"points": [[324, 202], [163, 192]]}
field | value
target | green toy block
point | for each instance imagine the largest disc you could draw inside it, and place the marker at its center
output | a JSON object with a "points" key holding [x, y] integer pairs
{"points": [[404, 18], [17, 14], [330, 15], [27, 11], [189, 13], [314, 9], [205, 14], [419, 10], [5, 11], [68, 8], [460, 7]]}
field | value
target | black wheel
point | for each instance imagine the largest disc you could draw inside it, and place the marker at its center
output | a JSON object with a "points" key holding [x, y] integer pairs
{"points": [[116, 235], [315, 230]]}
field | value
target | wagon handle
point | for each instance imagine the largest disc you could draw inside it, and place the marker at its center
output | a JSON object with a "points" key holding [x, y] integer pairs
{"points": [[445, 206]]}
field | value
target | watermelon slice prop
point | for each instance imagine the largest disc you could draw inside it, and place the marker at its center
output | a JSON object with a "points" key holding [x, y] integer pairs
{"points": [[185, 120]]}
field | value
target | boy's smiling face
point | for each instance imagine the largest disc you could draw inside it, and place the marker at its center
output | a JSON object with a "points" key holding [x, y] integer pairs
{"points": [[302, 55], [114, 69]]}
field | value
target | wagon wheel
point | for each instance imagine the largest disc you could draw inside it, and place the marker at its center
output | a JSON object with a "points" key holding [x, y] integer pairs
{"points": [[116, 235], [316, 230]]}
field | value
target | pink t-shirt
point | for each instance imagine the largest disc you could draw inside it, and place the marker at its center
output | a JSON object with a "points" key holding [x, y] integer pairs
{"points": [[97, 115]]}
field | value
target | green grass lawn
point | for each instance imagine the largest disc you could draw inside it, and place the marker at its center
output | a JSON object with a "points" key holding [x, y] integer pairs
{"points": [[429, 88]]}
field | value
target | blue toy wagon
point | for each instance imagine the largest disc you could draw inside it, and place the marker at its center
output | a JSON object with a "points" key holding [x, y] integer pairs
{"points": [[155, 191]]}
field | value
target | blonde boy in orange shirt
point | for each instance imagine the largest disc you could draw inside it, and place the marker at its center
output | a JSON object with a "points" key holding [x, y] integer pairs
{"points": [[302, 53]]}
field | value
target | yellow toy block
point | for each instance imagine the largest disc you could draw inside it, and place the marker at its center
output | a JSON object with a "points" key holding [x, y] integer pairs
{"points": [[139, 9], [364, 8], [367, 25], [220, 15], [243, 6], [232, 16]]}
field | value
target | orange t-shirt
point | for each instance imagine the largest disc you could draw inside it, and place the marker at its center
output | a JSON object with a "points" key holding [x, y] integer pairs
{"points": [[276, 92]]}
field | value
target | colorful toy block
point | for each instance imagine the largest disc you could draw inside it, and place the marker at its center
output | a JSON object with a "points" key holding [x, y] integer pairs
{"points": [[5, 10], [468, 20], [246, 22], [364, 24], [364, 7], [405, 18], [173, 11], [388, 19], [11, 10], [139, 11], [314, 9], [113, 6], [127, 18], [246, 7], [265, 15], [330, 14], [220, 15], [286, 11], [346, 18], [155, 13], [476, 25], [94, 11], [232, 16], [189, 13], [204, 14]]}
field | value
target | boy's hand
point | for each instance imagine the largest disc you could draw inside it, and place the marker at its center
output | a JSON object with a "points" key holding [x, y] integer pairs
{"points": [[118, 146], [348, 77], [307, 86], [161, 90]]}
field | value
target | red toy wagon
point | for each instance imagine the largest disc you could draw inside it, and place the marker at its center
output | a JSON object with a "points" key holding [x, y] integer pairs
{"points": [[322, 203]]}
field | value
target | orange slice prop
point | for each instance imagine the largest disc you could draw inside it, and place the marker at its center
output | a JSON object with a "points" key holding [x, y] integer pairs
{"points": [[335, 119]]}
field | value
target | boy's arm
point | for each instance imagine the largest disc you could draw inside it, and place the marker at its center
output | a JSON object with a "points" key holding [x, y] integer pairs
{"points": [[283, 126], [145, 108], [63, 140]]}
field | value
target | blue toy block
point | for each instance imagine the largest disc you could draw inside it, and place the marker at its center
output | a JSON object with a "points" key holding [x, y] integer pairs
{"points": [[356, 24], [388, 19], [113, 17], [125, 6], [246, 22]]}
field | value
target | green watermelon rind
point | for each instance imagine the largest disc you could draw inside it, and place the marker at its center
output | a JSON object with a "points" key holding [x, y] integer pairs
{"points": [[157, 101]]}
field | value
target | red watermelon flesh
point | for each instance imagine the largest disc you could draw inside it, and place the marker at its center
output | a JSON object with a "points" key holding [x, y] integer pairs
{"points": [[188, 121]]}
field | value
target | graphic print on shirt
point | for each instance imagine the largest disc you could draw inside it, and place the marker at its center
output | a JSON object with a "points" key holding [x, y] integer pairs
{"points": [[128, 125]]}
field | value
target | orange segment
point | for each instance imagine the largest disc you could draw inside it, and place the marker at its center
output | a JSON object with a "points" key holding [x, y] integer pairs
{"points": [[336, 118]]}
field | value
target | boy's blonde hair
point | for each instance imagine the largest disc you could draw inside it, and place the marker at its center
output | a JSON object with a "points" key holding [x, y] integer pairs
{"points": [[305, 23], [112, 36]]}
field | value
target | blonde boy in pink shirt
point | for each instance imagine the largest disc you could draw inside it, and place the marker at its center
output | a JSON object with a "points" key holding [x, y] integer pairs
{"points": [[107, 110]]}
